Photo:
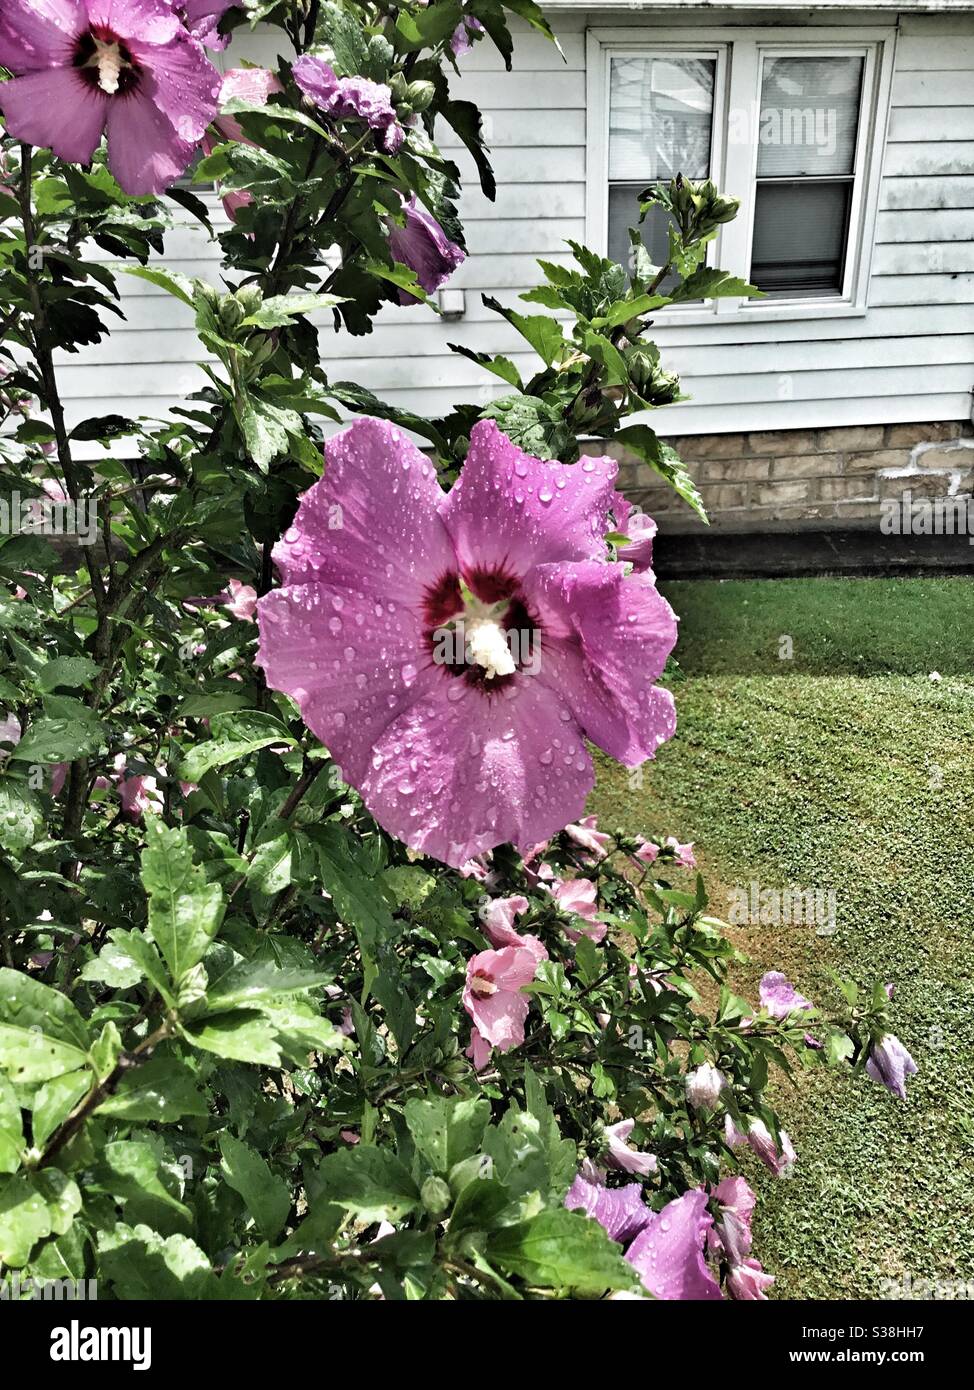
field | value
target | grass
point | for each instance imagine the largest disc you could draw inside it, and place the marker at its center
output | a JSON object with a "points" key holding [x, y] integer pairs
{"points": [[842, 768]]}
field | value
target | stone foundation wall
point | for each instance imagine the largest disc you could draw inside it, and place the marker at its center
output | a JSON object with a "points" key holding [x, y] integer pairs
{"points": [[807, 479]]}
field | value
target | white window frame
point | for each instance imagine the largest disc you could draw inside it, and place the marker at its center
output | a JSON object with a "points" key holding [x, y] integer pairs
{"points": [[737, 102]]}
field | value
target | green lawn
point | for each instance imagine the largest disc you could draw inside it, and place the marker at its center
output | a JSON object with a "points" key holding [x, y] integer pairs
{"points": [[844, 768]]}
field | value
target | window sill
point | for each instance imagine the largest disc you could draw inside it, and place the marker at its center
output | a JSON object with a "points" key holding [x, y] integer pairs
{"points": [[778, 312]]}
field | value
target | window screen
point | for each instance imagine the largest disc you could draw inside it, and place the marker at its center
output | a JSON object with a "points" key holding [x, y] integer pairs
{"points": [[809, 119]]}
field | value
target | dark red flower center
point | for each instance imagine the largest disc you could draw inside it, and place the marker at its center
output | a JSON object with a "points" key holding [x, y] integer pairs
{"points": [[105, 62], [480, 627]]}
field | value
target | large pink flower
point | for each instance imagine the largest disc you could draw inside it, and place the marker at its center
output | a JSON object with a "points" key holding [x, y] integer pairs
{"points": [[126, 66], [455, 651]]}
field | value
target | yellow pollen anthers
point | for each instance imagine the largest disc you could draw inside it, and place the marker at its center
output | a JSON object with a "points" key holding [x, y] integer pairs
{"points": [[487, 647], [107, 58], [482, 987]]}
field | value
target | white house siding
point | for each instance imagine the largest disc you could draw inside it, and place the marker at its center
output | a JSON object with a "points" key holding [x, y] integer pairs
{"points": [[909, 358]]}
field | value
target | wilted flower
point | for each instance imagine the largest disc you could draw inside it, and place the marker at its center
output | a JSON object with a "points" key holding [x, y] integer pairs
{"points": [[202, 19], [703, 1086], [779, 996], [668, 1252], [588, 837], [128, 67], [350, 98], [890, 1064], [732, 1234], [137, 794], [465, 35], [761, 1141], [456, 651], [423, 246], [733, 1137], [620, 1155], [620, 1211], [747, 1281], [240, 599]]}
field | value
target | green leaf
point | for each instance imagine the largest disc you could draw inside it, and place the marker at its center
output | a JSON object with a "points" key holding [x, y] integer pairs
{"points": [[248, 982], [266, 1195], [27, 1003], [32, 1207], [28, 1056], [446, 1131], [142, 1265], [162, 1089], [561, 1249], [625, 309], [356, 895], [11, 1128], [54, 1102], [543, 333], [270, 868], [133, 1179], [233, 736], [663, 460], [126, 958], [21, 817], [169, 280], [69, 671], [708, 283], [280, 309], [241, 1036], [372, 1183], [59, 740], [185, 911]]}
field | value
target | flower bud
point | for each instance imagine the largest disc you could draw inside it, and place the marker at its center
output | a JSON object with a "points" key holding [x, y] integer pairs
{"points": [[436, 1196], [704, 1085]]}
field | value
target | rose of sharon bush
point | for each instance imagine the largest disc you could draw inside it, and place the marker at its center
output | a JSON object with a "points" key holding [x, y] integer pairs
{"points": [[402, 637], [128, 67]]}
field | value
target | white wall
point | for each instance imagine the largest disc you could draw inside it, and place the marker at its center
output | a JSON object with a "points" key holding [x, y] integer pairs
{"points": [[910, 358]]}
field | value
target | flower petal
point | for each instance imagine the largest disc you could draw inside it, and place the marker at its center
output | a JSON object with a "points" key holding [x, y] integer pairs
{"points": [[151, 21], [184, 85], [351, 669], [509, 511], [605, 639], [41, 34], [56, 110], [371, 522], [668, 1253], [461, 772], [144, 152]]}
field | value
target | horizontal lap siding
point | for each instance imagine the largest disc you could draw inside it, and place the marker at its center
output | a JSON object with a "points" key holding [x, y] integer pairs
{"points": [[908, 359]]}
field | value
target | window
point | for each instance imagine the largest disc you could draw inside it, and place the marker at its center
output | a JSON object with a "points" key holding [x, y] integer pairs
{"points": [[776, 118], [805, 173], [661, 115]]}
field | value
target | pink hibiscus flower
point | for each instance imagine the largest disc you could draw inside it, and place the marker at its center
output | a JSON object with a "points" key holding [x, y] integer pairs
{"points": [[128, 67], [668, 1253], [240, 599], [455, 651], [253, 85], [639, 531], [620, 1211], [577, 896], [493, 997]]}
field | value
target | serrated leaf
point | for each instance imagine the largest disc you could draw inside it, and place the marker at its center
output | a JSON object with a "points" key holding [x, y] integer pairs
{"points": [[370, 1182], [266, 1195], [185, 910]]}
